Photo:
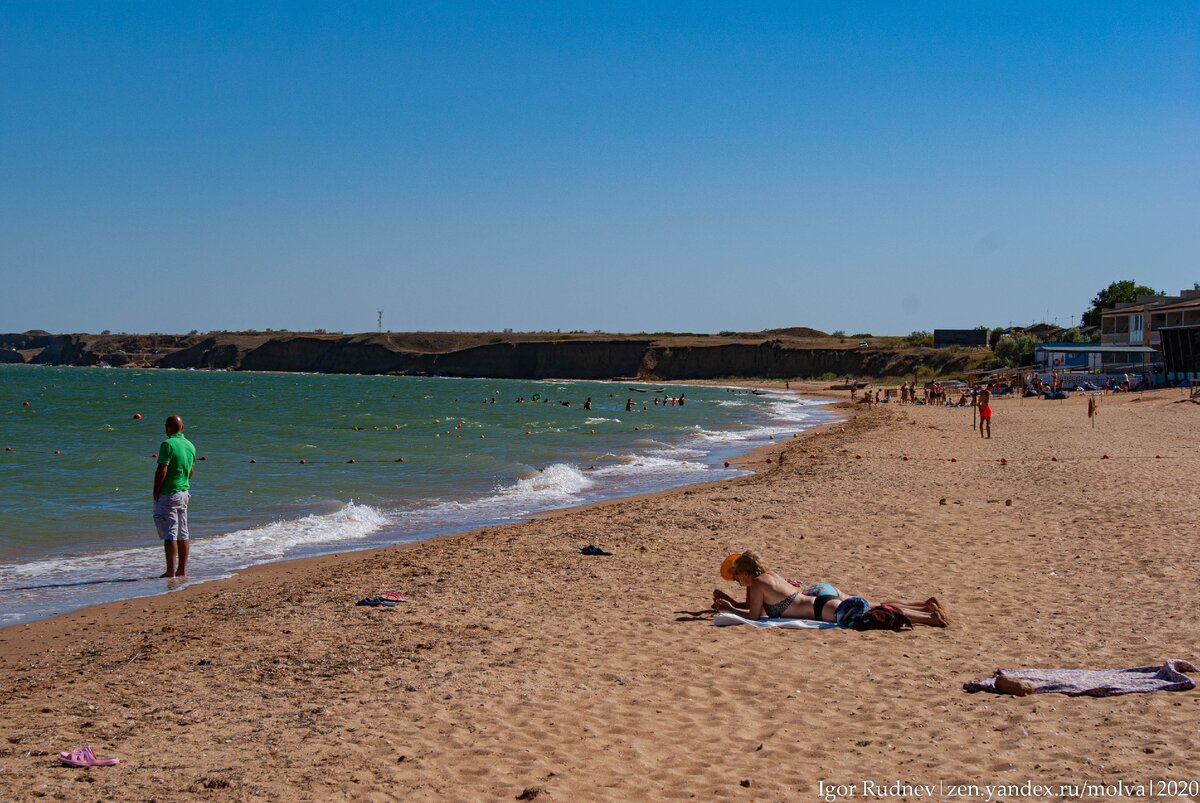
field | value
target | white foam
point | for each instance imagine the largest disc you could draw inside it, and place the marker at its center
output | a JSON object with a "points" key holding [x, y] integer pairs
{"points": [[557, 485], [232, 550], [600, 420]]}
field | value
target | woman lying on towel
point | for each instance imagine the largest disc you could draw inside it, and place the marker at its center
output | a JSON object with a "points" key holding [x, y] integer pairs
{"points": [[770, 594]]}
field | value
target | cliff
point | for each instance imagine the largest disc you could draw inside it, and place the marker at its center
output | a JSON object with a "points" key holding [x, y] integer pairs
{"points": [[792, 353]]}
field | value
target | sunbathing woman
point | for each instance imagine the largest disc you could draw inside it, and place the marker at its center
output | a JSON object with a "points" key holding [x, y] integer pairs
{"points": [[769, 594]]}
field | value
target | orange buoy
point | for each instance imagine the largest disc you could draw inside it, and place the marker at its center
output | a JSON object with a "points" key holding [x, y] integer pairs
{"points": [[137, 416]]}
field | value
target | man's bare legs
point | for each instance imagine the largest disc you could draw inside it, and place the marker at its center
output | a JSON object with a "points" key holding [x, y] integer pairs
{"points": [[181, 564], [169, 550], [176, 553]]}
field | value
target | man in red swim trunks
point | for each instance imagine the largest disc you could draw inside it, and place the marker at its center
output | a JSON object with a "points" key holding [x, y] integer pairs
{"points": [[985, 411]]}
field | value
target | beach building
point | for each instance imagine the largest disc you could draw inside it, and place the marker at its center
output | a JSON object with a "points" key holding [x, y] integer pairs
{"points": [[1144, 322], [1095, 358], [1137, 323], [970, 338]]}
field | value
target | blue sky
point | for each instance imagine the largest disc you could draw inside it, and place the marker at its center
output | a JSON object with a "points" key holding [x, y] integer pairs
{"points": [[873, 166]]}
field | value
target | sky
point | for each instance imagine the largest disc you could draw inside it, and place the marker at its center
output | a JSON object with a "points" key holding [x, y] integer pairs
{"points": [[697, 166]]}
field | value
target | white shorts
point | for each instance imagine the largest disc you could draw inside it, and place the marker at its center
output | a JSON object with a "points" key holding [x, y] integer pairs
{"points": [[170, 516]]}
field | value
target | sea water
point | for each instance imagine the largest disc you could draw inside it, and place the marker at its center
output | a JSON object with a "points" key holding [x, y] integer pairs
{"points": [[274, 477]]}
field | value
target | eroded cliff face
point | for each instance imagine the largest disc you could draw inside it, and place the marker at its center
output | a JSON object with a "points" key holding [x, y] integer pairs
{"points": [[541, 357]]}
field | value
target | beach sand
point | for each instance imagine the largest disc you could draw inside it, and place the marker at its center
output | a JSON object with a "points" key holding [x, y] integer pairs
{"points": [[523, 670]]}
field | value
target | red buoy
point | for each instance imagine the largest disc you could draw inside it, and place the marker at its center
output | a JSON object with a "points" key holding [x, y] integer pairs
{"points": [[124, 395], [399, 459], [24, 404], [858, 457], [769, 460], [154, 455], [302, 461], [202, 457], [953, 459], [351, 460], [726, 464], [56, 451], [1053, 459], [1004, 461], [137, 416], [904, 458], [8, 448], [1105, 457], [252, 460]]}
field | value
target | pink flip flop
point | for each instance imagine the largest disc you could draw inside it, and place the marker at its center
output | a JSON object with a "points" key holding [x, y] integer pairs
{"points": [[84, 757], [392, 596]]}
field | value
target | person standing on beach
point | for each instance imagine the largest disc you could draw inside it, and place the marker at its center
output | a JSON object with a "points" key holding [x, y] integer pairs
{"points": [[985, 411], [176, 457]]}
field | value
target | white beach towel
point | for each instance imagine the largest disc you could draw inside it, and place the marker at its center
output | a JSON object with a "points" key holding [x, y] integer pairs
{"points": [[726, 619]]}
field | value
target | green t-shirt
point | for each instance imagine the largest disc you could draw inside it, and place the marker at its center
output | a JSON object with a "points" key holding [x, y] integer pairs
{"points": [[177, 454]]}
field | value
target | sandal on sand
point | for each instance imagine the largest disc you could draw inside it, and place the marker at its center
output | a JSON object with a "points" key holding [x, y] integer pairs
{"points": [[375, 602], [84, 757], [392, 596], [592, 549]]}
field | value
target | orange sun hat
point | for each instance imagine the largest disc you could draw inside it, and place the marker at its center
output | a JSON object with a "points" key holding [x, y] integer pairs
{"points": [[727, 566]]}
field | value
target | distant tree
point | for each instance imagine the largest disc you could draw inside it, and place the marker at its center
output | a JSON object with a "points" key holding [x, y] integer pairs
{"points": [[994, 336], [1010, 348], [919, 338], [861, 335], [838, 333], [1071, 335], [1121, 292]]}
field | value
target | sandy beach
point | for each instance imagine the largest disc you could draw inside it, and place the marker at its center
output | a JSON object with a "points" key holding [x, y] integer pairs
{"points": [[520, 669]]}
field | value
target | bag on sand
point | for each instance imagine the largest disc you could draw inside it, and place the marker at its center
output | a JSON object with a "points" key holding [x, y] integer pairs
{"points": [[883, 617]]}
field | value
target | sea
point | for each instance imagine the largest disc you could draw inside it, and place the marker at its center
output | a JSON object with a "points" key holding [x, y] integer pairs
{"points": [[296, 465]]}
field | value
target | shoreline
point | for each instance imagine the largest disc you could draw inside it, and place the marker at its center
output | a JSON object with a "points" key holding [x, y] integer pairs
{"points": [[744, 457], [520, 668]]}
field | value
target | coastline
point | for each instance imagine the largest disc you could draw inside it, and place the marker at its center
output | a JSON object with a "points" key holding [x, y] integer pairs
{"points": [[520, 667], [739, 455]]}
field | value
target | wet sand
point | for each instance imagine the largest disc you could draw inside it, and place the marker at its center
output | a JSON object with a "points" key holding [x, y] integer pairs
{"points": [[520, 669]]}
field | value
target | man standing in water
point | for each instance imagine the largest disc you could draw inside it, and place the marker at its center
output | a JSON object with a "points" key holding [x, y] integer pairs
{"points": [[176, 456]]}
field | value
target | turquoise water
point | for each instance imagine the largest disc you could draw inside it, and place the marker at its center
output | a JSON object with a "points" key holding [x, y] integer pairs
{"points": [[75, 527]]}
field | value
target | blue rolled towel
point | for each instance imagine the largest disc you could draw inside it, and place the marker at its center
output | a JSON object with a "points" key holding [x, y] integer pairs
{"points": [[851, 610]]}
